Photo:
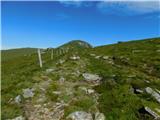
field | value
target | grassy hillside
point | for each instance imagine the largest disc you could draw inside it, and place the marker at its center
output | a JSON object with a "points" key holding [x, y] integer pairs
{"points": [[13, 53], [128, 65]]}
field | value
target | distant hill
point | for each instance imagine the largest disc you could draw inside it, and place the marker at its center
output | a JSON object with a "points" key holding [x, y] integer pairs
{"points": [[76, 44]]}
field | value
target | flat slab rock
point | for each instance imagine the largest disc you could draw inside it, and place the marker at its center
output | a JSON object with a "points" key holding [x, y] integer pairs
{"points": [[91, 77], [27, 93], [80, 115], [155, 94]]}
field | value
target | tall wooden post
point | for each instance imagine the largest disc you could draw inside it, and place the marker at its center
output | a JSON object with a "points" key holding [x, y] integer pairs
{"points": [[52, 54], [40, 59]]}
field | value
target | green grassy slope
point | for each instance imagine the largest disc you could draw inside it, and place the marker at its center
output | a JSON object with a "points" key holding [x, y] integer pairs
{"points": [[13, 53], [133, 63]]}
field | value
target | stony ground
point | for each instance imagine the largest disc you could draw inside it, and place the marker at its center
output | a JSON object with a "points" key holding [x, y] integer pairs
{"points": [[59, 91]]}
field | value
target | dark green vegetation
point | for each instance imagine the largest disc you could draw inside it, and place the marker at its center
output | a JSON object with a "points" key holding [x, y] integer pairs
{"points": [[131, 65]]}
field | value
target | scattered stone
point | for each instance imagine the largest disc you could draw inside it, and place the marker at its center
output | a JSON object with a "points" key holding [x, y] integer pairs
{"points": [[61, 80], [80, 115], [138, 91], [18, 118], [99, 116], [61, 61], [49, 70], [90, 91], [155, 115], [92, 77], [56, 92], [157, 50], [28, 93], [97, 57], [17, 99], [75, 57], [84, 89], [153, 93], [105, 57], [147, 81]]}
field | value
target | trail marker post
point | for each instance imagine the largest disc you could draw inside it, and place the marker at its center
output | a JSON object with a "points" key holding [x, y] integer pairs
{"points": [[40, 59]]}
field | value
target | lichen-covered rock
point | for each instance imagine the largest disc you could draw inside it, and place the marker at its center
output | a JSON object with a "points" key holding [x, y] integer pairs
{"points": [[27, 93], [99, 116], [61, 80], [17, 99], [91, 77], [105, 57], [80, 115], [153, 93]]}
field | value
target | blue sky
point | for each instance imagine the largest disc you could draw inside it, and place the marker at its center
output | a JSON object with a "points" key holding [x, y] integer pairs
{"points": [[52, 23]]}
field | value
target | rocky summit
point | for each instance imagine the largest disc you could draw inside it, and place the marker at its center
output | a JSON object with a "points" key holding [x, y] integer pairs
{"points": [[80, 82]]}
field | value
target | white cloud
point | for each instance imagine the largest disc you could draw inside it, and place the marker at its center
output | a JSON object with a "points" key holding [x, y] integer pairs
{"points": [[76, 3], [129, 7]]}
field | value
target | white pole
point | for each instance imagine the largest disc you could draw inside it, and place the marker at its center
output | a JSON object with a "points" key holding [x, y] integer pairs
{"points": [[52, 54], [39, 56]]}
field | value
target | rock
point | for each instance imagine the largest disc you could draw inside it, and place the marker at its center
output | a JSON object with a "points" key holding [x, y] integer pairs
{"points": [[138, 91], [105, 57], [17, 99], [155, 115], [157, 50], [28, 93], [97, 57], [80, 115], [56, 92], [153, 93], [49, 70], [18, 118], [75, 58], [90, 91], [61, 80], [99, 116], [92, 77], [147, 81], [61, 61], [84, 89]]}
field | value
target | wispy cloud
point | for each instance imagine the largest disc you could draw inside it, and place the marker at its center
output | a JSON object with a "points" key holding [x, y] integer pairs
{"points": [[76, 3], [129, 7]]}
